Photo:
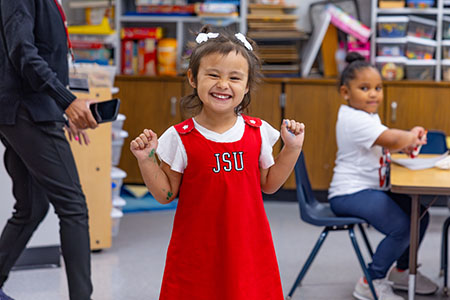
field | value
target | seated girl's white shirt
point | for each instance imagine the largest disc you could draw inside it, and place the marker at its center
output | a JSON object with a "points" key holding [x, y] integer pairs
{"points": [[171, 149], [358, 159]]}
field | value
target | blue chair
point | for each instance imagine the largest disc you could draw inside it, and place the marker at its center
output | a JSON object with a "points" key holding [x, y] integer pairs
{"points": [[320, 214], [436, 143]]}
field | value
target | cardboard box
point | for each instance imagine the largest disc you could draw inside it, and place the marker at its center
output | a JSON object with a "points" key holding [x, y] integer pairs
{"points": [[147, 57]]}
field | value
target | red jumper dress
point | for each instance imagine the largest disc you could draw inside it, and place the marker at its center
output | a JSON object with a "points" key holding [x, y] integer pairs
{"points": [[221, 246]]}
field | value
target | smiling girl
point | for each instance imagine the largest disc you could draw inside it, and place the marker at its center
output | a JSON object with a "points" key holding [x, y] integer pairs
{"points": [[217, 163], [360, 185]]}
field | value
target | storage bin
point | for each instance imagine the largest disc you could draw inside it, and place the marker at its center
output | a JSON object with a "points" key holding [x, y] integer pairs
{"points": [[118, 138], [420, 3], [391, 46], [418, 48], [101, 55], [116, 215], [446, 27], [391, 67], [446, 49], [117, 176], [117, 125], [421, 27], [118, 202], [391, 4], [420, 69], [446, 69], [118, 134], [394, 26]]}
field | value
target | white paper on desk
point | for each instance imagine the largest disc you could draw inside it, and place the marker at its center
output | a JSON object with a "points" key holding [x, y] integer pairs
{"points": [[419, 163]]}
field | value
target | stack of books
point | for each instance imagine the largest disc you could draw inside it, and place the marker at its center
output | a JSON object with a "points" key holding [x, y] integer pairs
{"points": [[273, 27]]}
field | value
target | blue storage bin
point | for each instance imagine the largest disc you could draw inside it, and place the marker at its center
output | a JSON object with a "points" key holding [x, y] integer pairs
{"points": [[393, 26], [420, 3], [391, 46]]}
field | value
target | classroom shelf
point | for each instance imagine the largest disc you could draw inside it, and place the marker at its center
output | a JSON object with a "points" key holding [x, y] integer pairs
{"points": [[436, 13], [407, 10]]}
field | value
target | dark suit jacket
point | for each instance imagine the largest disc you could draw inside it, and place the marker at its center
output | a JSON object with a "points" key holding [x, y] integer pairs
{"points": [[33, 60]]}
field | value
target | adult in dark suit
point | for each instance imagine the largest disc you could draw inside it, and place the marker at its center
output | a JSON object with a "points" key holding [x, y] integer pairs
{"points": [[33, 99]]}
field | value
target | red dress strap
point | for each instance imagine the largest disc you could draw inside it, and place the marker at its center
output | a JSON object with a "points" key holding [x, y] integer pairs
{"points": [[254, 122], [185, 127]]}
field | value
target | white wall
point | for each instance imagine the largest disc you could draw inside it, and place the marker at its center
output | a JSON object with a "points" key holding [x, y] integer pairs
{"points": [[48, 232]]}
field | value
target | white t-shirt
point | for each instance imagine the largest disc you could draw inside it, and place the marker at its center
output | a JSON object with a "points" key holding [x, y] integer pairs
{"points": [[358, 159], [172, 152]]}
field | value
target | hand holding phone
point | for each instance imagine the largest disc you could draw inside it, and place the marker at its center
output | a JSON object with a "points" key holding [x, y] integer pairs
{"points": [[80, 115], [105, 111]]}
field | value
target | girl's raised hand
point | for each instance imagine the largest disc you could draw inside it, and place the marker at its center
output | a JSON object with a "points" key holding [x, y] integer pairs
{"points": [[144, 146], [292, 133]]}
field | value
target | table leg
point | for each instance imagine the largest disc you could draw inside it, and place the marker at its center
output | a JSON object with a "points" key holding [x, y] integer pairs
{"points": [[414, 243]]}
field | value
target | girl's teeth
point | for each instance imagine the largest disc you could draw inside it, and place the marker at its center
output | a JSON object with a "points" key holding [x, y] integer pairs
{"points": [[221, 96]]}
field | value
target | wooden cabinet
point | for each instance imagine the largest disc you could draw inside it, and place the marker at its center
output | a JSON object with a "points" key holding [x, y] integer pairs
{"points": [[316, 104], [265, 104], [147, 102], [425, 104], [153, 102]]}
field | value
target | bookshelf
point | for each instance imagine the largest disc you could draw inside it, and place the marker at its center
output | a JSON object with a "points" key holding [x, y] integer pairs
{"points": [[179, 27], [435, 13]]}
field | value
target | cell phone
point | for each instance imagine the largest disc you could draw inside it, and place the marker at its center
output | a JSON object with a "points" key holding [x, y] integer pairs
{"points": [[105, 111]]}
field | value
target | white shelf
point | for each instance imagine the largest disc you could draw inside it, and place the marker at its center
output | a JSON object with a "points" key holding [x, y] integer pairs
{"points": [[408, 11], [162, 19], [91, 4], [436, 13]]}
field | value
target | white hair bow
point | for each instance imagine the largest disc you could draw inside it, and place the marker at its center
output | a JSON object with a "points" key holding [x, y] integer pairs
{"points": [[244, 41], [203, 37]]}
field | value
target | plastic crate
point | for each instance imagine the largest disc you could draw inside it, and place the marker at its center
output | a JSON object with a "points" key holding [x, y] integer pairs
{"points": [[421, 27], [118, 138], [391, 67], [117, 176], [446, 49], [446, 69], [420, 69], [419, 48], [394, 26], [420, 3], [391, 46], [446, 27]]}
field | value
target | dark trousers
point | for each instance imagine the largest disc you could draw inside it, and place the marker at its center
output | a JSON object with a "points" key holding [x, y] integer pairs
{"points": [[40, 162], [388, 213]]}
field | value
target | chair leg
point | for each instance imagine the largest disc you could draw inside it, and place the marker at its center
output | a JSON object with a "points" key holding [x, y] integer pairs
{"points": [[351, 233], [308, 262], [366, 240], [444, 253]]}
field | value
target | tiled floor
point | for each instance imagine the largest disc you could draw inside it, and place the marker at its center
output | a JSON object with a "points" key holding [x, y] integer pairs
{"points": [[132, 268]]}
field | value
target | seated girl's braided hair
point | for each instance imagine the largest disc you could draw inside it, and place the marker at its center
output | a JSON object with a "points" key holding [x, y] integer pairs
{"points": [[221, 42], [355, 62]]}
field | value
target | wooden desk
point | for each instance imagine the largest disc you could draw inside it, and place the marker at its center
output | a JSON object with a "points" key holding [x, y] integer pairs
{"points": [[415, 183]]}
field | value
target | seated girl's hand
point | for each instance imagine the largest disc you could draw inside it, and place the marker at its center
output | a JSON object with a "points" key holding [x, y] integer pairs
{"points": [[292, 133], [421, 135], [144, 146]]}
